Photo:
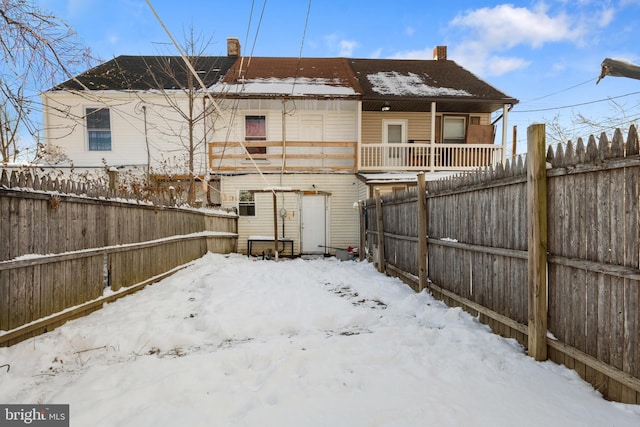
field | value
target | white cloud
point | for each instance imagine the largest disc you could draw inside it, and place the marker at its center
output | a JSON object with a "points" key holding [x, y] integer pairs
{"points": [[506, 26], [606, 17], [342, 46], [347, 47], [488, 34], [475, 58], [498, 65]]}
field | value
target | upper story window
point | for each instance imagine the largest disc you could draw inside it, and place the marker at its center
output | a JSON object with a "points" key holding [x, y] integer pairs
{"points": [[98, 129], [454, 129], [255, 129]]}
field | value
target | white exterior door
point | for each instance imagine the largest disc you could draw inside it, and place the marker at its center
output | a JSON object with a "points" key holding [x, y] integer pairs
{"points": [[315, 216], [394, 132]]}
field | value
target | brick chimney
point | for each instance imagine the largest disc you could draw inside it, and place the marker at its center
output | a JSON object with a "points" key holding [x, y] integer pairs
{"points": [[440, 53], [233, 46]]}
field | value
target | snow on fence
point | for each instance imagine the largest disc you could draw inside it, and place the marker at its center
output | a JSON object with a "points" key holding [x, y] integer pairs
{"points": [[479, 253], [24, 179], [61, 252]]}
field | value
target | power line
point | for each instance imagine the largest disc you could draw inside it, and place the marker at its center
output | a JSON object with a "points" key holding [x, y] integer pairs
{"points": [[574, 105], [558, 92], [304, 34]]}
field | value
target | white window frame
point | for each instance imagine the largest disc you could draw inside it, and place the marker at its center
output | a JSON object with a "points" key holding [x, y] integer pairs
{"points": [[385, 130], [394, 153], [88, 129], [256, 139], [247, 204], [452, 117]]}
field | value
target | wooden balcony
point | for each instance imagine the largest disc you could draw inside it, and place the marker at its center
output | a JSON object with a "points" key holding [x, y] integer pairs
{"points": [[427, 157], [309, 156], [290, 156]]}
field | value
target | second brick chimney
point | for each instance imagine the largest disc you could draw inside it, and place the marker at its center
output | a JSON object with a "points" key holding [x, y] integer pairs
{"points": [[440, 53], [233, 46]]}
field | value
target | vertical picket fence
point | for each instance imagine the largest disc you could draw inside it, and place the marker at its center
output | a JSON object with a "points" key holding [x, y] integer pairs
{"points": [[487, 230], [61, 251]]}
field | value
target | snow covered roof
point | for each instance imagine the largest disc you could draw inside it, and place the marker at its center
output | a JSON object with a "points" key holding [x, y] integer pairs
{"points": [[412, 84], [401, 177], [288, 86], [394, 83], [289, 76], [405, 84]]}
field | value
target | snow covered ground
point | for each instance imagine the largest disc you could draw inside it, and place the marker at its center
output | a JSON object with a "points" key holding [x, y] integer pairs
{"points": [[232, 341]]}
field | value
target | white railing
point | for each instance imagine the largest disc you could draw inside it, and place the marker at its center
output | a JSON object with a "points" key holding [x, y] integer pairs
{"points": [[341, 156], [427, 157]]}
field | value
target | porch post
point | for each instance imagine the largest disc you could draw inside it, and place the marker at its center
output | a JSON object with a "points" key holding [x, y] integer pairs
{"points": [[505, 125], [432, 143], [358, 155]]}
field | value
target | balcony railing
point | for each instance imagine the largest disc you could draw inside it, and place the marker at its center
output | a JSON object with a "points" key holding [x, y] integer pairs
{"points": [[427, 157], [291, 156], [309, 156]]}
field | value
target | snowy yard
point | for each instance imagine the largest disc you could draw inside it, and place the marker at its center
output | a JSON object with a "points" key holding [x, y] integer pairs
{"points": [[232, 341]]}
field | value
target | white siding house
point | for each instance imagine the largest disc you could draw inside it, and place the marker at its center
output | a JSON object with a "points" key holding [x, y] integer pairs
{"points": [[291, 143], [122, 129], [302, 133], [134, 113]]}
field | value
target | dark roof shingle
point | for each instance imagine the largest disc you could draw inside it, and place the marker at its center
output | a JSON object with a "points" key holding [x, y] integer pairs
{"points": [[411, 85], [409, 80], [148, 72]]}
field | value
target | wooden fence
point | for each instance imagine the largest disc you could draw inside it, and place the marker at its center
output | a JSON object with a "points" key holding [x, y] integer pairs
{"points": [[481, 246], [61, 251]]}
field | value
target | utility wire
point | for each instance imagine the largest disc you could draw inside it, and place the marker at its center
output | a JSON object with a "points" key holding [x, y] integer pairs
{"points": [[558, 92], [202, 85], [575, 105], [304, 34]]}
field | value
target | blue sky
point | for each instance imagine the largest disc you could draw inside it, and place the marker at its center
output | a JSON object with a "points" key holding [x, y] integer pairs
{"points": [[547, 53]]}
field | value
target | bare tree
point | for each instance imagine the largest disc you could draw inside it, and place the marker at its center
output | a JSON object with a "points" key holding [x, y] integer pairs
{"points": [[39, 49], [182, 94], [581, 125]]}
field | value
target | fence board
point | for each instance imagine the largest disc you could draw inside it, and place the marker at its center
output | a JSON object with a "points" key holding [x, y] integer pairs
{"points": [[83, 236], [477, 232]]}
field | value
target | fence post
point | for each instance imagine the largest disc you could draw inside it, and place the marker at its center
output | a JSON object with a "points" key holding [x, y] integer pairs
{"points": [[363, 231], [380, 223], [113, 179], [537, 241], [423, 265]]}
